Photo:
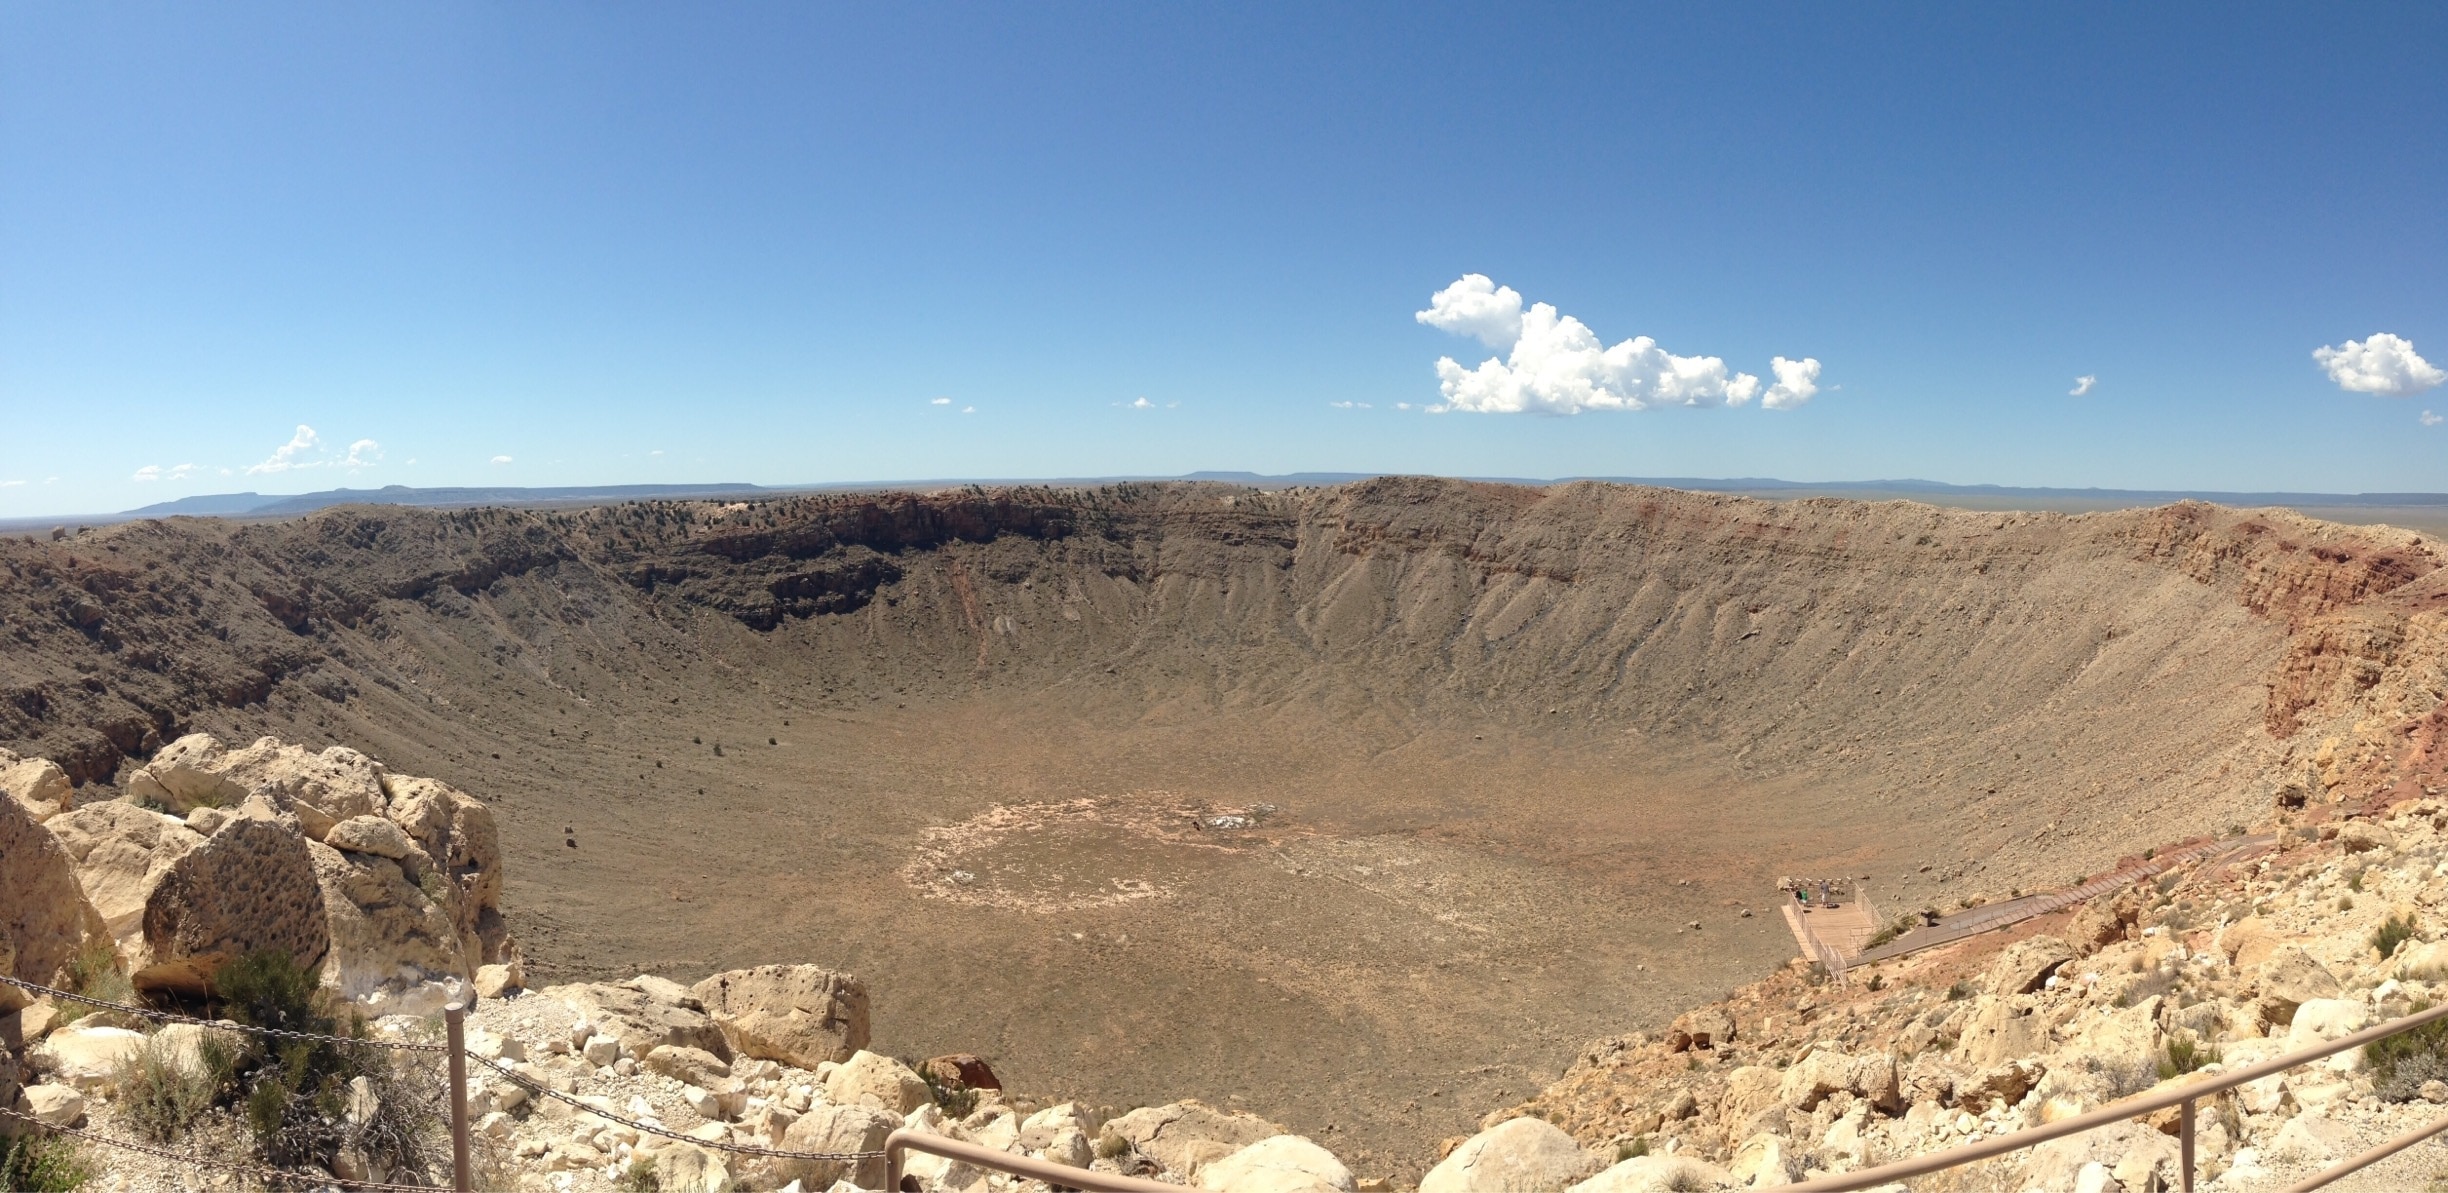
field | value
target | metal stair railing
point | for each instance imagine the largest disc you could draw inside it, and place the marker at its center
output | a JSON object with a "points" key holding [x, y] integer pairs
{"points": [[2183, 1097], [1060, 1176]]}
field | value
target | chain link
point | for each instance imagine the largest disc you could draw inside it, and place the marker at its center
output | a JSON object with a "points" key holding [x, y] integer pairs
{"points": [[271, 1175], [744, 1149], [216, 1024], [504, 1071]]}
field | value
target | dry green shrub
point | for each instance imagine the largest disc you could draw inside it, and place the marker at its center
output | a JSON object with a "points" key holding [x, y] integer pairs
{"points": [[2392, 932], [2400, 1064], [163, 1090], [43, 1164], [94, 972], [296, 1095]]}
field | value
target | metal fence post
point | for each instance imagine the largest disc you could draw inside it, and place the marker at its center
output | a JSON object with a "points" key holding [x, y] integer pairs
{"points": [[2184, 1143], [454, 1020]]}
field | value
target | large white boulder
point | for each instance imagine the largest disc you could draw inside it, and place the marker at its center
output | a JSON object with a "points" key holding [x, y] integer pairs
{"points": [[85, 1056], [37, 783], [1822, 1073], [1187, 1136], [1654, 1174], [868, 1079], [1522, 1155], [837, 1130], [121, 852], [387, 932], [640, 1021], [1763, 1160], [457, 832], [46, 921], [1278, 1164], [800, 1015], [186, 775], [2320, 1020]]}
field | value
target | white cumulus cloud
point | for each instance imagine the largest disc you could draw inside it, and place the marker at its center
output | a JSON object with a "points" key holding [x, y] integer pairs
{"points": [[2082, 385], [501, 459], [365, 453], [2429, 419], [1555, 364], [155, 472], [940, 402], [1477, 307], [293, 454], [2384, 364], [1796, 381]]}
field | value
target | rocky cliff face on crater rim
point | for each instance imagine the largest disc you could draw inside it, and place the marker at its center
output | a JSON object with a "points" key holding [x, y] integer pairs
{"points": [[1493, 746]]}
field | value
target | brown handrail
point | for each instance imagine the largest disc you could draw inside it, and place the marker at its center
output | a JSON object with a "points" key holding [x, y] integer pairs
{"points": [[2114, 1112], [2367, 1159], [1061, 1176]]}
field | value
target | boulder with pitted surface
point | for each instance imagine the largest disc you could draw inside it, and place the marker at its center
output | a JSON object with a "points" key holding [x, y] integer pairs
{"points": [[249, 887]]}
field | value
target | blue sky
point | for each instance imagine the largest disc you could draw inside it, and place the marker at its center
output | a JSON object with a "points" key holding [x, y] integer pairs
{"points": [[582, 244]]}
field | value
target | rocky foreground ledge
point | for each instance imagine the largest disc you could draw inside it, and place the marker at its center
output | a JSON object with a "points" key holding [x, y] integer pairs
{"points": [[389, 885]]}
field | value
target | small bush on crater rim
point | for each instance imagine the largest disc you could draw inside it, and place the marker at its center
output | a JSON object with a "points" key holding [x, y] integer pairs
{"points": [[305, 1100], [42, 1164], [2400, 1064], [162, 1093]]}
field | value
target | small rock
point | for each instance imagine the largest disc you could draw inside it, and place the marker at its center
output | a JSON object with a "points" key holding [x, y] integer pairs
{"points": [[600, 1051], [56, 1105], [495, 981], [370, 834]]}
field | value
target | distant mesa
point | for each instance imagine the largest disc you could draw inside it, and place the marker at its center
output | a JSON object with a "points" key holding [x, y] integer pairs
{"points": [[273, 505]]}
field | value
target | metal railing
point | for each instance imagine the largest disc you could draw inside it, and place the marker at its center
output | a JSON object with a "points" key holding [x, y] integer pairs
{"points": [[454, 1017], [2182, 1097], [1060, 1176]]}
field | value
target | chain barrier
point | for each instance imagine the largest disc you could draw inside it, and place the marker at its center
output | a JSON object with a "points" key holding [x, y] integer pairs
{"points": [[534, 1086], [217, 1024], [269, 1175], [507, 1073]]}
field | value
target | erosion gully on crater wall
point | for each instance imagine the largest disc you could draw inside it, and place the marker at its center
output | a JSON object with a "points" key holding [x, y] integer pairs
{"points": [[1004, 752]]}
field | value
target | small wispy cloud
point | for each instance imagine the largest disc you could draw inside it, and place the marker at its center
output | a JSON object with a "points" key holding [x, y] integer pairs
{"points": [[940, 402], [2384, 364], [1349, 405], [501, 459], [2431, 420], [1554, 364], [1142, 404], [968, 409], [155, 472], [365, 453], [2082, 385], [10, 484], [656, 452]]}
